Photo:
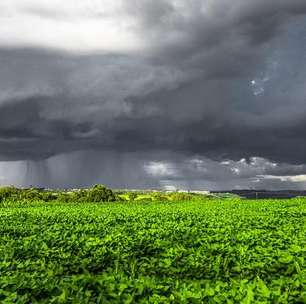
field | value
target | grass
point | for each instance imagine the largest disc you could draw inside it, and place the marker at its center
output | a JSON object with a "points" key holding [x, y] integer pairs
{"points": [[206, 251]]}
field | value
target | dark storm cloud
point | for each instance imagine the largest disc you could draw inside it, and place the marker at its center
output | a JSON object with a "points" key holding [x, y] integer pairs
{"points": [[204, 173], [216, 80], [65, 103], [195, 31]]}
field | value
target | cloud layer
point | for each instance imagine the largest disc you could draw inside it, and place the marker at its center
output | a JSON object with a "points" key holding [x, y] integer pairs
{"points": [[214, 80]]}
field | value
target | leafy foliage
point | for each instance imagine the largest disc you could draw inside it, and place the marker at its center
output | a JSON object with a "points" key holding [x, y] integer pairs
{"points": [[156, 196], [8, 193], [97, 194], [209, 251], [100, 193]]}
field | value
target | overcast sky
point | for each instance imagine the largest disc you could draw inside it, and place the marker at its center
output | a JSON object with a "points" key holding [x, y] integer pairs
{"points": [[147, 94]]}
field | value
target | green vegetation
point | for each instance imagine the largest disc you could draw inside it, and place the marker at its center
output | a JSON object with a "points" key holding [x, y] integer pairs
{"points": [[97, 194], [138, 196], [196, 251]]}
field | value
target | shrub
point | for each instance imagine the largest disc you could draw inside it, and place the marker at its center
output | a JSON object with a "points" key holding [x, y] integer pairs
{"points": [[8, 193], [64, 198], [48, 196], [132, 196], [100, 193], [30, 195], [179, 196], [160, 197]]}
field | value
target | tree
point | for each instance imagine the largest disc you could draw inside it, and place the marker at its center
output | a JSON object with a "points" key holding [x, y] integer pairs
{"points": [[100, 193]]}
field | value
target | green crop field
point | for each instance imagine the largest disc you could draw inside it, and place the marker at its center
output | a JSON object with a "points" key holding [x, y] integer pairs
{"points": [[204, 251]]}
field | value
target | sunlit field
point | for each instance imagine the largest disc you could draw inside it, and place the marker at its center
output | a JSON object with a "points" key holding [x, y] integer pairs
{"points": [[205, 251]]}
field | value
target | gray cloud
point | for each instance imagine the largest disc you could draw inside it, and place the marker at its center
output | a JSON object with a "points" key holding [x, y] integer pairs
{"points": [[204, 173], [215, 80]]}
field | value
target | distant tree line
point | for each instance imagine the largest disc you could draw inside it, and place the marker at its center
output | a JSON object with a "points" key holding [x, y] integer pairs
{"points": [[97, 194]]}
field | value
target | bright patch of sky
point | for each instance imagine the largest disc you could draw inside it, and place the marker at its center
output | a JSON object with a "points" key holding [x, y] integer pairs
{"points": [[259, 83]]}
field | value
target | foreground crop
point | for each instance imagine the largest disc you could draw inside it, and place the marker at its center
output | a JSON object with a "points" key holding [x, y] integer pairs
{"points": [[211, 251]]}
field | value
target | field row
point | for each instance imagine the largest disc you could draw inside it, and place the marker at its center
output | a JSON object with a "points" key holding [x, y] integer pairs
{"points": [[214, 251]]}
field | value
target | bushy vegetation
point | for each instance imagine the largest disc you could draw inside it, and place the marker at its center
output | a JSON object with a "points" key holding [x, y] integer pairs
{"points": [[138, 196], [204, 251], [98, 193]]}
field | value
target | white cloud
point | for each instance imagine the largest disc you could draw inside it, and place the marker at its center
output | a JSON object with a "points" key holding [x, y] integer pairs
{"points": [[288, 178], [76, 25], [131, 25], [159, 169]]}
